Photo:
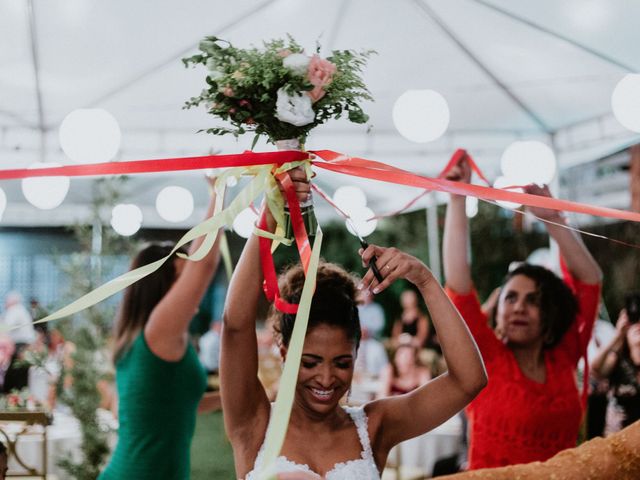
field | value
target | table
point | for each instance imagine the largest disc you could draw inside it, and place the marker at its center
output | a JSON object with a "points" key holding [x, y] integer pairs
{"points": [[423, 451], [63, 438]]}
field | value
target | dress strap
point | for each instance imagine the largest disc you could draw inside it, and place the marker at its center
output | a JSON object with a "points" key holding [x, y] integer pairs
{"points": [[359, 417]]}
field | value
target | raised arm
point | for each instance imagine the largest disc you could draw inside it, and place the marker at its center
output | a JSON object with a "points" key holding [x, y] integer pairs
{"points": [[579, 261], [415, 413], [455, 244], [607, 357], [244, 401], [166, 330]]}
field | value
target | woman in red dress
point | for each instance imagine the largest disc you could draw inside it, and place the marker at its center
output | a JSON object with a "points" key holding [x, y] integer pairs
{"points": [[531, 408]]}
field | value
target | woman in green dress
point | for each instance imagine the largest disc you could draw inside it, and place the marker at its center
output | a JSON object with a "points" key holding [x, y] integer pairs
{"points": [[159, 378]]}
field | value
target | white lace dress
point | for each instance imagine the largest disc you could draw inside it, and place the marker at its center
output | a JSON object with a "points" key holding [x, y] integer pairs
{"points": [[363, 468]]}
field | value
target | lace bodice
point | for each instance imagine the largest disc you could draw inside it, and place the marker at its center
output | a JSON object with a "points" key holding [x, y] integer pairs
{"points": [[363, 468]]}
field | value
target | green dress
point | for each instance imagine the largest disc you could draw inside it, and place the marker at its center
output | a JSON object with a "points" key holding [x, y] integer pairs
{"points": [[158, 401]]}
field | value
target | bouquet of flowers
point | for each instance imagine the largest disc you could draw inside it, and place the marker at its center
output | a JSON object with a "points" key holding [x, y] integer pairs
{"points": [[278, 91]]}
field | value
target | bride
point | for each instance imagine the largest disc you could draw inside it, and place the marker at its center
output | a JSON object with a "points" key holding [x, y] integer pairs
{"points": [[324, 439]]}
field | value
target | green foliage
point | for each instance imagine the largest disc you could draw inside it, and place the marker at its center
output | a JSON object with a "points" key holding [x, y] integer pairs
{"points": [[89, 329], [242, 88]]}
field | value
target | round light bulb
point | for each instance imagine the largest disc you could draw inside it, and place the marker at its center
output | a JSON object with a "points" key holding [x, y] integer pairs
{"points": [[45, 193], [526, 162], [126, 219], [361, 222], [421, 115], [174, 204], [625, 102], [349, 198], [90, 135], [502, 182], [244, 222]]}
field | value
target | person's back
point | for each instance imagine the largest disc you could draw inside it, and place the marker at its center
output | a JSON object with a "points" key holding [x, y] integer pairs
{"points": [[157, 413]]}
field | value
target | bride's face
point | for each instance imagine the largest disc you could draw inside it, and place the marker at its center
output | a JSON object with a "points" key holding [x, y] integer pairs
{"points": [[326, 369]]}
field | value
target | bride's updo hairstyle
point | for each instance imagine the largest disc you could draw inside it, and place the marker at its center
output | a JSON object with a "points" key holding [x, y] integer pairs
{"points": [[334, 301]]}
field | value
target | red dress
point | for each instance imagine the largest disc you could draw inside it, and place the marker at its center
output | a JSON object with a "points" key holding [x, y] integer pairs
{"points": [[515, 419]]}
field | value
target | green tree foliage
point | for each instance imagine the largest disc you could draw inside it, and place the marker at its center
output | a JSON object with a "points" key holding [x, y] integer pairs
{"points": [[89, 329]]}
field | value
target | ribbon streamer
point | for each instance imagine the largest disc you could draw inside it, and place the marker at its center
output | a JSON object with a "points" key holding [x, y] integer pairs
{"points": [[281, 410]]}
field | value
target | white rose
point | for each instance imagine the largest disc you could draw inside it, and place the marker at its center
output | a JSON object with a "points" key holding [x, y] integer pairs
{"points": [[214, 73], [297, 63], [294, 109]]}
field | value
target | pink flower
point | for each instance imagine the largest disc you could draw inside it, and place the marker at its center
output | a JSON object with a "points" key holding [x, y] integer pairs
{"points": [[244, 103], [250, 121], [231, 111], [284, 53], [320, 71], [316, 94], [227, 91]]}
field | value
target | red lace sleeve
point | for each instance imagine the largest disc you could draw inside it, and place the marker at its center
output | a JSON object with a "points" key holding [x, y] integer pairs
{"points": [[577, 338], [469, 307]]}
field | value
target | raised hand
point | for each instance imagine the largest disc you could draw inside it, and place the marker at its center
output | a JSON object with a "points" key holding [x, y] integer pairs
{"points": [[461, 172], [543, 213], [393, 264]]}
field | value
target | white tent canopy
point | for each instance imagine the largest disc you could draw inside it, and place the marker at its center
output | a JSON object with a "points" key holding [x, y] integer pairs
{"points": [[509, 69]]}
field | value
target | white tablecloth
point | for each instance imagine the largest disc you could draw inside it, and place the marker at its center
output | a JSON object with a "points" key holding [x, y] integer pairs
{"points": [[425, 450], [63, 437]]}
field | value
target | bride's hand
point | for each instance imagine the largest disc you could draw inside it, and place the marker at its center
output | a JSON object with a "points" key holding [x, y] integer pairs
{"points": [[393, 264]]}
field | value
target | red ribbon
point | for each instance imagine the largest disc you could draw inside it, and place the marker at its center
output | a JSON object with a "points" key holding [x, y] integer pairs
{"points": [[270, 284], [360, 167], [245, 159]]}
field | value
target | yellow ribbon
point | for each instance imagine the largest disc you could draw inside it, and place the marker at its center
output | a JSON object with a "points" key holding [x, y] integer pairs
{"points": [[209, 227], [282, 408]]}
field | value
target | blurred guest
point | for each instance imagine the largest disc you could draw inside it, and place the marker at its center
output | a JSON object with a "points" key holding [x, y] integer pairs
{"points": [[412, 321], [17, 320], [372, 357], [598, 400], [13, 374], [37, 312], [209, 346], [371, 314], [405, 373], [160, 381], [531, 408], [619, 362]]}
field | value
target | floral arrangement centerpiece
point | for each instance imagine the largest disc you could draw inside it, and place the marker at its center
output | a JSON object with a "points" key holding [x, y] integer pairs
{"points": [[279, 91], [20, 401]]}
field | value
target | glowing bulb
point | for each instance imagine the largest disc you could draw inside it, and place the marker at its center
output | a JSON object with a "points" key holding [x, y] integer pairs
{"points": [[421, 115], [45, 193], [90, 135], [527, 162], [126, 219], [502, 182], [174, 204], [625, 102], [349, 198], [245, 222], [362, 222]]}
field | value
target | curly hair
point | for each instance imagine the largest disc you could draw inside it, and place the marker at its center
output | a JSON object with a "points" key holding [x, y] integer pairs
{"points": [[558, 305], [334, 301]]}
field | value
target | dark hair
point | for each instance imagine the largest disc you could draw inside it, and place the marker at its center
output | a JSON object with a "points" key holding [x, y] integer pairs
{"points": [[3, 449], [141, 297], [558, 305], [334, 301]]}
